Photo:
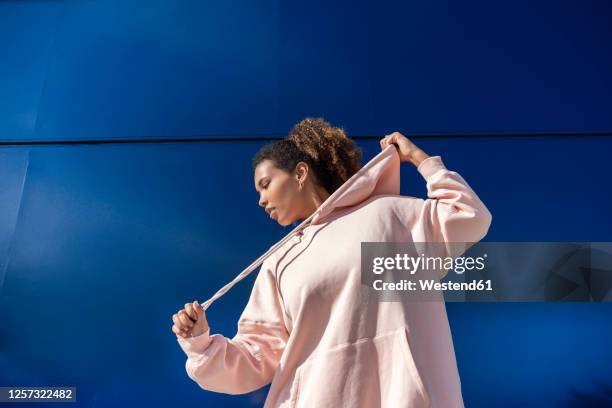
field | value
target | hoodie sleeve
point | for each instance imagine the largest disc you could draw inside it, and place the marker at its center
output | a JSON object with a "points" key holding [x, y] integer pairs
{"points": [[451, 213], [247, 361]]}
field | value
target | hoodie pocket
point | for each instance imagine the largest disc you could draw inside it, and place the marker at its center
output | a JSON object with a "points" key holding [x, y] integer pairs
{"points": [[373, 372]]}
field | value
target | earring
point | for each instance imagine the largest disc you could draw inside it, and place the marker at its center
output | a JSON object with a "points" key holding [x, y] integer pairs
{"points": [[300, 184]]}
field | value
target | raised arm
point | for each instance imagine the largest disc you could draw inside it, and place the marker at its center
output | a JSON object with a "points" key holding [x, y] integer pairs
{"points": [[451, 213]]}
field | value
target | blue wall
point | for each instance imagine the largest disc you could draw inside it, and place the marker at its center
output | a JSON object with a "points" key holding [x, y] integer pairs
{"points": [[113, 69], [101, 243]]}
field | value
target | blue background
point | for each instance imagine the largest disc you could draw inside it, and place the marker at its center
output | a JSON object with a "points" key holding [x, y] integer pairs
{"points": [[100, 243]]}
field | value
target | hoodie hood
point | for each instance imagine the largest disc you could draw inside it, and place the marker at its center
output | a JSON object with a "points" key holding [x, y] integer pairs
{"points": [[379, 176]]}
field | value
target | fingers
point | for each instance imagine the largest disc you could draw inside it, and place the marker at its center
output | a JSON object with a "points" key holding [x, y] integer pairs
{"points": [[182, 323], [384, 142], [392, 138], [191, 311], [201, 315], [404, 145], [182, 331], [186, 319], [199, 311], [178, 331]]}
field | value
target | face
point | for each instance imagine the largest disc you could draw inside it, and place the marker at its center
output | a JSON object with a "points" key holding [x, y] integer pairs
{"points": [[279, 193]]}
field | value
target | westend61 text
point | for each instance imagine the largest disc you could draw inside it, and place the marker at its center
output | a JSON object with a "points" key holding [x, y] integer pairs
{"points": [[431, 284]]}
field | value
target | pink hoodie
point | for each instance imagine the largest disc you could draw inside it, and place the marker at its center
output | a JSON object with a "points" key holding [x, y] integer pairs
{"points": [[305, 328]]}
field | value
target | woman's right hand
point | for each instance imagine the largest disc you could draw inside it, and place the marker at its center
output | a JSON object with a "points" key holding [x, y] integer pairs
{"points": [[190, 321]]}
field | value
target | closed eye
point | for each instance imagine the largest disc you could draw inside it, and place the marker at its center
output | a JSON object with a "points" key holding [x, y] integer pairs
{"points": [[263, 184]]}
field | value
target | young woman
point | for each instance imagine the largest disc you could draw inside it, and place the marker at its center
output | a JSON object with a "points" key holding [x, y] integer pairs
{"points": [[305, 328]]}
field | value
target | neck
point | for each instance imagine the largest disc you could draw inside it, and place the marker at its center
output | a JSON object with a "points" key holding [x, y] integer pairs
{"points": [[314, 199]]}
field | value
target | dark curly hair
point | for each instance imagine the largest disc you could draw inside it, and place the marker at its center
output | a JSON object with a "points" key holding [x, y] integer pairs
{"points": [[332, 156]]}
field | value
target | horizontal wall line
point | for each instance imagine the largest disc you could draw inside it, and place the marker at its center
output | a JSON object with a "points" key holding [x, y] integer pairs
{"points": [[200, 139]]}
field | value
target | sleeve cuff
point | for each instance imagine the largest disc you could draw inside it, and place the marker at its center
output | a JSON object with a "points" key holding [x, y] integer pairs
{"points": [[430, 166], [195, 346]]}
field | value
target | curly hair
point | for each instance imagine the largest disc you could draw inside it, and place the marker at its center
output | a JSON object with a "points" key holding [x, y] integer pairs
{"points": [[327, 150]]}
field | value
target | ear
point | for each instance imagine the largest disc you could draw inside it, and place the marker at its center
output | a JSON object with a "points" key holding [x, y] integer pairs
{"points": [[301, 171]]}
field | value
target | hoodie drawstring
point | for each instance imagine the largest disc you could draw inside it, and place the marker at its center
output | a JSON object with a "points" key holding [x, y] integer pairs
{"points": [[258, 261]]}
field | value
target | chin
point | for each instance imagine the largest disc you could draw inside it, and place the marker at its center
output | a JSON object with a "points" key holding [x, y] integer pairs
{"points": [[283, 223]]}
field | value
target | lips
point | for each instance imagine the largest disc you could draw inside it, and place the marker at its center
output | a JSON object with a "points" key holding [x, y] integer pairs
{"points": [[270, 211]]}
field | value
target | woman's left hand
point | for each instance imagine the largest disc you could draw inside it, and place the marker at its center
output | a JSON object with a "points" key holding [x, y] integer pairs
{"points": [[407, 150]]}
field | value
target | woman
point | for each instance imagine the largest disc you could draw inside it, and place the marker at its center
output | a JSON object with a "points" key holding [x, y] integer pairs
{"points": [[305, 328]]}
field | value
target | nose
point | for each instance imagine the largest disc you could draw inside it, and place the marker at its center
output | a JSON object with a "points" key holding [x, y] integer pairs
{"points": [[262, 201]]}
